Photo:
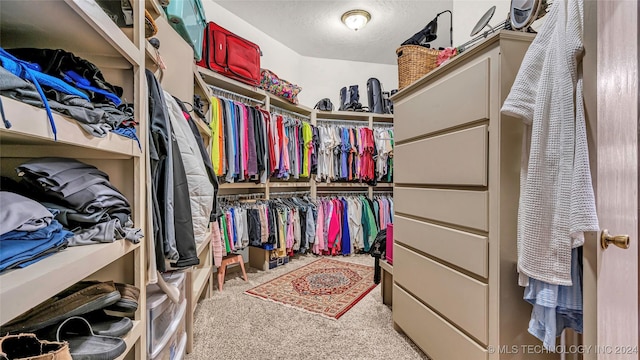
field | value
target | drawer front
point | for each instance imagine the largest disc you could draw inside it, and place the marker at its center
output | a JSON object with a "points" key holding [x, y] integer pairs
{"points": [[457, 158], [434, 335], [461, 207], [444, 243], [458, 297], [454, 100]]}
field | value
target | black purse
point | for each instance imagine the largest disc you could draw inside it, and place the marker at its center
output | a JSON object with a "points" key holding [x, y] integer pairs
{"points": [[324, 105]]}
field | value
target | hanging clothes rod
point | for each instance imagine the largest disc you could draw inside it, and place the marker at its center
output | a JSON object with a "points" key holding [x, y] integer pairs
{"points": [[231, 93], [344, 122], [287, 112]]}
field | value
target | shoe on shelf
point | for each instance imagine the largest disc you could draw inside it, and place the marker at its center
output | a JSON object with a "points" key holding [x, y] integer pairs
{"points": [[27, 346], [80, 298], [84, 344], [128, 302], [101, 323]]}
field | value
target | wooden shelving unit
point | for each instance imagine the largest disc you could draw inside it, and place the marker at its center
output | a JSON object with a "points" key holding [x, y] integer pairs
{"points": [[214, 79], [139, 328], [83, 28], [154, 8], [55, 273], [30, 133]]}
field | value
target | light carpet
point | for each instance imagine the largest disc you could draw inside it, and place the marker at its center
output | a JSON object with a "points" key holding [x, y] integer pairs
{"points": [[232, 325]]}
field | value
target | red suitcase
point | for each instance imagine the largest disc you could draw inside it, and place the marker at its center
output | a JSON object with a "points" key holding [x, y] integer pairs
{"points": [[228, 54]]}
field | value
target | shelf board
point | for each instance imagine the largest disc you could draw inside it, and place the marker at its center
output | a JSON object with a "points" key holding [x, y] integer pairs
{"points": [[52, 24], [386, 266], [201, 85], [289, 184], [132, 338], [150, 54], [200, 279], [202, 126], [31, 127], [22, 289], [242, 185], [384, 185], [154, 8], [287, 105], [204, 245], [215, 79], [386, 118], [343, 115], [339, 184]]}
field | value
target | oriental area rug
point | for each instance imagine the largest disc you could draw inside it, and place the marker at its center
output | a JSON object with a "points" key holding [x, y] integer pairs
{"points": [[326, 287]]}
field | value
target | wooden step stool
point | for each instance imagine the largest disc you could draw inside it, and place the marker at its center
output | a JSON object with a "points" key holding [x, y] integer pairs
{"points": [[228, 260]]}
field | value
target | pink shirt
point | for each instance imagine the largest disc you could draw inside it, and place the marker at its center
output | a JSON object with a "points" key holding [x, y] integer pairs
{"points": [[318, 245]]}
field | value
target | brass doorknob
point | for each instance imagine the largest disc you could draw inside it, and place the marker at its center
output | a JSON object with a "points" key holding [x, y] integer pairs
{"points": [[621, 241]]}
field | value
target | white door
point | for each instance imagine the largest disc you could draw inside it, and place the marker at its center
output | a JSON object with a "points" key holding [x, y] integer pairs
{"points": [[611, 275]]}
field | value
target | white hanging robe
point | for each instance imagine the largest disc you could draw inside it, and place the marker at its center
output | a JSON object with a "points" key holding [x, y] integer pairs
{"points": [[557, 202]]}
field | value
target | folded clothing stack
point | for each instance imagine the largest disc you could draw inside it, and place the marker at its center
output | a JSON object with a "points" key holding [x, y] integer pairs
{"points": [[84, 199], [60, 81], [28, 232]]}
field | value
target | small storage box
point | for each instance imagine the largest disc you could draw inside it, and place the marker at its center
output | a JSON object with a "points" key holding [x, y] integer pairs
{"points": [[278, 262], [162, 315], [263, 259], [187, 18], [389, 250], [167, 332]]}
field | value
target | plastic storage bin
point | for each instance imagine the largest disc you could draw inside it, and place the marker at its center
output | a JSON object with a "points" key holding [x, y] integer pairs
{"points": [[182, 348], [175, 278], [187, 18], [167, 331], [175, 349], [162, 314]]}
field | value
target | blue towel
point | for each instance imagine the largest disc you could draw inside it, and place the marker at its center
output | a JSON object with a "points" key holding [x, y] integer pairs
{"points": [[556, 307], [22, 248]]}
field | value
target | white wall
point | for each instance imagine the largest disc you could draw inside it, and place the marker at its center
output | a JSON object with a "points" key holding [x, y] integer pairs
{"points": [[318, 77], [466, 14], [327, 76], [275, 55]]}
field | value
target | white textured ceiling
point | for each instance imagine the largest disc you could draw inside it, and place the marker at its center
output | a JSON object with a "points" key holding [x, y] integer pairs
{"points": [[313, 28]]}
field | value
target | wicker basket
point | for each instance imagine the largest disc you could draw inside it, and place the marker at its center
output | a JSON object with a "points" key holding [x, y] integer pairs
{"points": [[414, 61]]}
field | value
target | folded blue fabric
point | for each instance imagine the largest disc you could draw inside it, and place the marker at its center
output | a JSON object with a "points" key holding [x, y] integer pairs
{"points": [[24, 248], [29, 71], [128, 132], [76, 79]]}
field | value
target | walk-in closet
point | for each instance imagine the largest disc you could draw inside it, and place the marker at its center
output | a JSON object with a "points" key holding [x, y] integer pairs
{"points": [[218, 179]]}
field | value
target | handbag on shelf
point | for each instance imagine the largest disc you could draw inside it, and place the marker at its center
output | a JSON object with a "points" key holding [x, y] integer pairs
{"points": [[324, 105], [277, 86]]}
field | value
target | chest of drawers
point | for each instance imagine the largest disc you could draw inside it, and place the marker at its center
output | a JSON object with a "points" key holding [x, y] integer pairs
{"points": [[457, 162]]}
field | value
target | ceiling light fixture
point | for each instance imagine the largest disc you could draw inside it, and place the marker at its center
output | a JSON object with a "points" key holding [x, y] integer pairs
{"points": [[356, 19]]}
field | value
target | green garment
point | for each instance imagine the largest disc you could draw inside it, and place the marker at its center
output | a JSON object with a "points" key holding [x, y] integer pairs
{"points": [[225, 235]]}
